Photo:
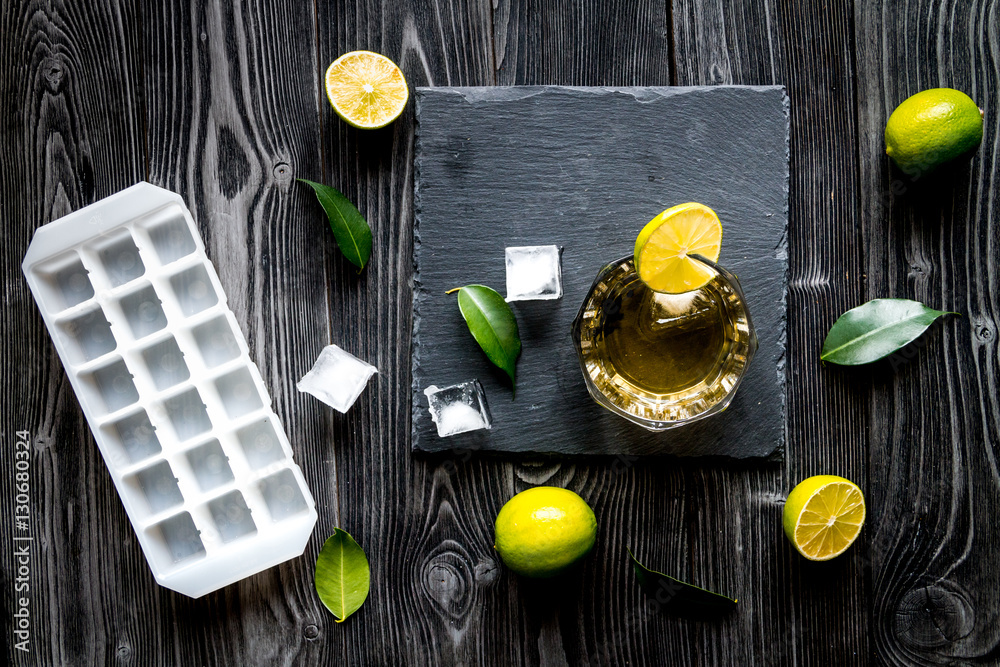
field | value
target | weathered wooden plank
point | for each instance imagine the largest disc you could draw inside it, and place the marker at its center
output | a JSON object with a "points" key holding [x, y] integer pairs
{"points": [[935, 424], [726, 513], [72, 134], [75, 74], [589, 43], [792, 611], [598, 616], [426, 524], [232, 119]]}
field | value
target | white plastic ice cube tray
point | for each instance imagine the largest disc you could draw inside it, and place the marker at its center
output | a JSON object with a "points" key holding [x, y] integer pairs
{"points": [[177, 407]]}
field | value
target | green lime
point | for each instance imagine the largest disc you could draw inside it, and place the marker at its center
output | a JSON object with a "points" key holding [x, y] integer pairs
{"points": [[931, 128], [543, 531]]}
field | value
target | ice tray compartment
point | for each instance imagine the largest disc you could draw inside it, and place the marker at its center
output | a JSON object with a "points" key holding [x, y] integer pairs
{"points": [[282, 495], [63, 282], [232, 516], [87, 336], [131, 439], [120, 258], [169, 235], [210, 465], [239, 393], [143, 311], [162, 371], [260, 443], [188, 414], [193, 290], [173, 541], [112, 384], [165, 364], [157, 487], [216, 340]]}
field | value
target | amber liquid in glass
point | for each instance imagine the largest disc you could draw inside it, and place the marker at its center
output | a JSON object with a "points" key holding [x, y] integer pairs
{"points": [[664, 343], [662, 359]]}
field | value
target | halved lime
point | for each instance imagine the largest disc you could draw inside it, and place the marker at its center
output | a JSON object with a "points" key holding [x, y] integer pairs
{"points": [[823, 516], [664, 246], [366, 89]]}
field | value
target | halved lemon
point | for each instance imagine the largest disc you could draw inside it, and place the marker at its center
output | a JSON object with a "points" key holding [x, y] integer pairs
{"points": [[664, 246], [823, 516], [366, 89]]}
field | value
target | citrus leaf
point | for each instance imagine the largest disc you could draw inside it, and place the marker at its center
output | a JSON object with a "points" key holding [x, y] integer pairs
{"points": [[492, 324], [876, 329], [679, 598], [354, 236], [342, 575]]}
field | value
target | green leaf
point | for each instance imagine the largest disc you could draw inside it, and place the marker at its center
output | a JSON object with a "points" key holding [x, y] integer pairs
{"points": [[679, 598], [875, 330], [492, 324], [354, 236], [342, 575]]}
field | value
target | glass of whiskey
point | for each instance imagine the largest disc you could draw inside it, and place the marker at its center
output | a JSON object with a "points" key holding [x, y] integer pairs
{"points": [[663, 360]]}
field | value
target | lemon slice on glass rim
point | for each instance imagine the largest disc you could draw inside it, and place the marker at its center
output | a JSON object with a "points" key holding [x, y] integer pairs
{"points": [[664, 247], [366, 89]]}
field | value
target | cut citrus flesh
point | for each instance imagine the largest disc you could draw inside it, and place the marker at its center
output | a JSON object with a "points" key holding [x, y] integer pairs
{"points": [[823, 516], [664, 247], [366, 89]]}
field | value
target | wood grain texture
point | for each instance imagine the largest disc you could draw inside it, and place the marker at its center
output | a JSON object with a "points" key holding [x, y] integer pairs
{"points": [[223, 104], [65, 145], [639, 504], [935, 419], [435, 595], [235, 120], [585, 43], [223, 118], [797, 612]]}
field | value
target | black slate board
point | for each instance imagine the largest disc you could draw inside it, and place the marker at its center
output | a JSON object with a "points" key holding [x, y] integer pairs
{"points": [[586, 168]]}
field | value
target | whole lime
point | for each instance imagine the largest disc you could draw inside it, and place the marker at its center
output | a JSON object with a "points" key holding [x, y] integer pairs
{"points": [[932, 128], [543, 531]]}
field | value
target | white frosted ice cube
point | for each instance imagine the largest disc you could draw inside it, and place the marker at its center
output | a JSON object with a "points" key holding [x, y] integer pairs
{"points": [[337, 378], [459, 408], [533, 272]]}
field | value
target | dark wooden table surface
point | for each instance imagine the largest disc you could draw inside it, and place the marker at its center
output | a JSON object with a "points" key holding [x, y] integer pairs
{"points": [[223, 104]]}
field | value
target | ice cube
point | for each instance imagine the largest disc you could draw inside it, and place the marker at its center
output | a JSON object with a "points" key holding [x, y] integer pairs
{"points": [[682, 313], [459, 408], [670, 306], [533, 272], [337, 378]]}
